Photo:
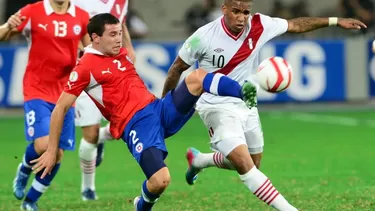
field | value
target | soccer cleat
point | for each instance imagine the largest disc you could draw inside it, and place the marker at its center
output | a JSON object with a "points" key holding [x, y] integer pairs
{"points": [[19, 183], [249, 94], [29, 206], [192, 172], [135, 202], [89, 195], [100, 154]]}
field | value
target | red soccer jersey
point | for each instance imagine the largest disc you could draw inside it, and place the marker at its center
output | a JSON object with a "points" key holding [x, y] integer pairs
{"points": [[113, 84], [53, 47]]}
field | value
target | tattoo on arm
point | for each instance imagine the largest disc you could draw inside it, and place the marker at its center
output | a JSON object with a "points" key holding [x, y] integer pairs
{"points": [[306, 24], [174, 74]]}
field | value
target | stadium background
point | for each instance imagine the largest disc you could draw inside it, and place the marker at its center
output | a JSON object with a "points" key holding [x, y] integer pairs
{"points": [[319, 133]]}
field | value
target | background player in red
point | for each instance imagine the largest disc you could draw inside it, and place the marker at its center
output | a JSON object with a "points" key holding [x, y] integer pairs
{"points": [[107, 75], [53, 28], [88, 116]]}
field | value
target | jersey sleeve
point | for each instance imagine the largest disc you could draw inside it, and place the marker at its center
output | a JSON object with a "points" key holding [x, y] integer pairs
{"points": [[193, 48], [25, 12], [79, 80], [273, 27]]}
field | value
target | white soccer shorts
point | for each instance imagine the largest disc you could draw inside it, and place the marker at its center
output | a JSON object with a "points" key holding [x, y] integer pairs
{"points": [[231, 125], [86, 112]]}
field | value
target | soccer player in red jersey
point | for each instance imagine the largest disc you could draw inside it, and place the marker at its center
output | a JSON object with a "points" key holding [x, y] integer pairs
{"points": [[107, 75], [88, 116], [53, 29]]}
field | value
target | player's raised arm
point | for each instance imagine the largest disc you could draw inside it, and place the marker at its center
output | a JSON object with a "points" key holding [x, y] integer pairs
{"points": [[85, 41], [127, 43], [306, 24], [190, 52], [174, 74]]}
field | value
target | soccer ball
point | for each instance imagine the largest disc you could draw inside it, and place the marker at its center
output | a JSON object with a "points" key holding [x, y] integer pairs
{"points": [[274, 74]]}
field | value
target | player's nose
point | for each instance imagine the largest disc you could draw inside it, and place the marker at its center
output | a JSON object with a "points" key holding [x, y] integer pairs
{"points": [[241, 19]]}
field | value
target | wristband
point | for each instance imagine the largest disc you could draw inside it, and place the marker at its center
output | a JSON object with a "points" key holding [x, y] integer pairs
{"points": [[332, 21]]}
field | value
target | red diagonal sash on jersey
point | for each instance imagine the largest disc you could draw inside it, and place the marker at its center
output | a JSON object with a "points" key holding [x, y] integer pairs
{"points": [[245, 50], [121, 4]]}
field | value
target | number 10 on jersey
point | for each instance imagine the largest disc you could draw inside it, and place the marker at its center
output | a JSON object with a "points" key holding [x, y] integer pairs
{"points": [[218, 62]]}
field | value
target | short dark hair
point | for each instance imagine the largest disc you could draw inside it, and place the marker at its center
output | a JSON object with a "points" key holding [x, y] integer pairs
{"points": [[227, 2], [98, 22]]}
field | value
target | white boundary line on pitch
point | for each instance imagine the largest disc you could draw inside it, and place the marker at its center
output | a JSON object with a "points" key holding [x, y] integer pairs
{"points": [[324, 119]]}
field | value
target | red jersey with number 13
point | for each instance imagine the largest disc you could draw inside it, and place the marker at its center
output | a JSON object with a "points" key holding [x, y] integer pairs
{"points": [[113, 84], [53, 47]]}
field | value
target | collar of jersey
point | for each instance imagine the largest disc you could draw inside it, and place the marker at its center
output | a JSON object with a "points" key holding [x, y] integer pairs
{"points": [[49, 9], [230, 34], [90, 49]]}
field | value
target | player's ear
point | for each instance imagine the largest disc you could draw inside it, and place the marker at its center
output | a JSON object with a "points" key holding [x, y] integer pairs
{"points": [[95, 38], [224, 9]]}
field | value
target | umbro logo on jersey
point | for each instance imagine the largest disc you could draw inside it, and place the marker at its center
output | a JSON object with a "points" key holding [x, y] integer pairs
{"points": [[219, 50], [104, 1]]}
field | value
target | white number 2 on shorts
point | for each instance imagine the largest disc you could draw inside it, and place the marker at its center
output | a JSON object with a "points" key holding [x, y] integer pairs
{"points": [[133, 135]]}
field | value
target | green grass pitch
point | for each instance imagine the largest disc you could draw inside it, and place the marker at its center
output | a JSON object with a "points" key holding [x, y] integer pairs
{"points": [[318, 161]]}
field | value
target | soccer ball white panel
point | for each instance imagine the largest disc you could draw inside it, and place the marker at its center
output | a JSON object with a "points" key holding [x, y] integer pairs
{"points": [[274, 74]]}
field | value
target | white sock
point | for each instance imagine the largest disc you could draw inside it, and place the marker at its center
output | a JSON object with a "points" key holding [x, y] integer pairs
{"points": [[261, 186], [104, 134], [87, 155], [204, 160]]}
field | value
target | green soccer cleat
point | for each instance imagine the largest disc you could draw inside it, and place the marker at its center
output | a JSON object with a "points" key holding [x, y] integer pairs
{"points": [[249, 94]]}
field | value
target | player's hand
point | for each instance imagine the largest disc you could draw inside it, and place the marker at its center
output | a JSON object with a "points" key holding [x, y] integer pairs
{"points": [[349, 23], [15, 20], [47, 161]]}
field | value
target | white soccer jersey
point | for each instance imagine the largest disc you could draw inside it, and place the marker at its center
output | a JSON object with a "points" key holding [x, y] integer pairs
{"points": [[118, 8], [219, 51]]}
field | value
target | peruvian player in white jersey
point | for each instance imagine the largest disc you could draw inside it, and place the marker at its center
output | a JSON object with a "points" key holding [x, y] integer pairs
{"points": [[88, 116], [230, 45]]}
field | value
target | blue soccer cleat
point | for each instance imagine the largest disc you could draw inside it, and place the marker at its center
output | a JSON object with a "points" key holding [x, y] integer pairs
{"points": [[100, 154], [89, 195], [192, 172], [29, 206], [135, 202], [249, 94], [19, 183]]}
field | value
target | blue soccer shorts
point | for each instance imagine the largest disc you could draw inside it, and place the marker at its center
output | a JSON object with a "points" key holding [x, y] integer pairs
{"points": [[150, 126], [37, 123]]}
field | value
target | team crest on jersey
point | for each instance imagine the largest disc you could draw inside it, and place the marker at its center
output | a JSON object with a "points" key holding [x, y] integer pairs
{"points": [[139, 147], [219, 50], [77, 29], [129, 59], [30, 131], [73, 76]]}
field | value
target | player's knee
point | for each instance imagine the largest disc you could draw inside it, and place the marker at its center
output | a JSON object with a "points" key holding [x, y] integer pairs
{"points": [[91, 133], [160, 180], [41, 144], [194, 81]]}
